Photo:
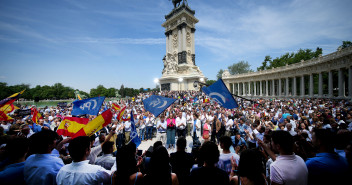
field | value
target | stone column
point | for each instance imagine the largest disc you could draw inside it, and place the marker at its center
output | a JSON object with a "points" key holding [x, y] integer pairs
{"points": [[331, 94], [273, 88], [255, 88], [311, 86], [249, 89], [261, 88], [302, 86], [350, 81], [179, 46], [244, 89], [320, 86], [238, 89], [266, 88], [341, 82], [233, 88], [280, 89], [287, 88], [294, 88], [184, 39]]}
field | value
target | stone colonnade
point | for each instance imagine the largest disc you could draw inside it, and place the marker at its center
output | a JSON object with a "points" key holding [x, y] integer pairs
{"points": [[301, 80]]}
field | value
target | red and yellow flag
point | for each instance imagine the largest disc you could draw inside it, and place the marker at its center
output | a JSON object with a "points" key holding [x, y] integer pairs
{"points": [[69, 126], [35, 115], [5, 117], [95, 125], [7, 108], [115, 107], [122, 111], [10, 99]]}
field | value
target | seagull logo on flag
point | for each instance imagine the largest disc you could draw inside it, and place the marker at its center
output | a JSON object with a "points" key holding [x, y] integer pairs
{"points": [[157, 104]]}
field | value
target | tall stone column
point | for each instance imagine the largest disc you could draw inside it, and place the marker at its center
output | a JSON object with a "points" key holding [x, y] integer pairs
{"points": [[280, 88], [331, 94], [184, 38], [192, 35], [350, 81], [233, 88], [255, 88], [266, 88], [294, 88], [311, 85], [302, 86], [320, 86], [287, 88], [341, 82], [179, 45], [273, 87], [249, 89], [238, 89], [244, 89], [261, 88]]}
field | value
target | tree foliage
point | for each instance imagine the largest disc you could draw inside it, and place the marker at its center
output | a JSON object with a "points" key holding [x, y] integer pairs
{"points": [[236, 68], [289, 58], [240, 67], [345, 44], [210, 82]]}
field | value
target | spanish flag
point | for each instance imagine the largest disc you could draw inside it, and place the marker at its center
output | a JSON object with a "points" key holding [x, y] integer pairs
{"points": [[95, 125], [115, 107], [35, 115], [7, 108], [122, 111], [69, 126], [206, 100], [5, 117], [10, 99]]}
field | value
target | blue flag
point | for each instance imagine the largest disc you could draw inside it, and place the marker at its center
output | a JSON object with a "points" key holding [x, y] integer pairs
{"points": [[219, 92], [134, 135], [157, 104], [89, 106]]}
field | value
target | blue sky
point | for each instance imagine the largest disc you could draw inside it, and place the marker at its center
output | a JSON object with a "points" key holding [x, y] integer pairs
{"points": [[111, 42]]}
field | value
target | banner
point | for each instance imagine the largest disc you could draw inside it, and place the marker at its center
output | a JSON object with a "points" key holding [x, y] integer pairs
{"points": [[219, 92], [157, 104], [89, 106], [24, 112]]}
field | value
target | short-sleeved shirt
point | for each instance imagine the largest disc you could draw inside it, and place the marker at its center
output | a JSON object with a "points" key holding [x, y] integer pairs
{"points": [[289, 169]]}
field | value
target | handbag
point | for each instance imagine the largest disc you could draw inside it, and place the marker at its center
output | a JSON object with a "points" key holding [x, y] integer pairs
{"points": [[206, 136]]}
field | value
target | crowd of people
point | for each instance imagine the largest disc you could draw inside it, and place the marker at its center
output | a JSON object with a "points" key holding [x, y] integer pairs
{"points": [[263, 141]]}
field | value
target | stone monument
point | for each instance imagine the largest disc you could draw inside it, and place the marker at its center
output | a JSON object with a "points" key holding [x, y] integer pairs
{"points": [[180, 70]]}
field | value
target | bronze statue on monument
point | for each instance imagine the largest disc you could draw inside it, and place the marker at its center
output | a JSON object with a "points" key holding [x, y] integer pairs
{"points": [[177, 3]]}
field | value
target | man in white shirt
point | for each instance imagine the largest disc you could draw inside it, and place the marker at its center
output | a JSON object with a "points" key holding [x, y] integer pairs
{"points": [[127, 126], [79, 171], [181, 125], [228, 126], [288, 168], [161, 128]]}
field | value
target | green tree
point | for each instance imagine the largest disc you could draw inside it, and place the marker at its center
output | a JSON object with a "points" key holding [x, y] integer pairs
{"points": [[345, 44], [210, 82], [240, 67], [264, 66], [219, 75]]}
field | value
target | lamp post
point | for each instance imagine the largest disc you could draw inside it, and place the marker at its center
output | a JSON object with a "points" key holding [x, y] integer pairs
{"points": [[179, 83], [156, 81]]}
